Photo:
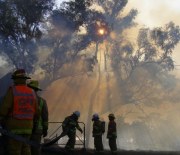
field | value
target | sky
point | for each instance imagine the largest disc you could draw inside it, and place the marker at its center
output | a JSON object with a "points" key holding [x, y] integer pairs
{"points": [[156, 12]]}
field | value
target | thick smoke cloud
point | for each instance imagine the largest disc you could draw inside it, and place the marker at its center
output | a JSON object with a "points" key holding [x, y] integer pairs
{"points": [[141, 125]]}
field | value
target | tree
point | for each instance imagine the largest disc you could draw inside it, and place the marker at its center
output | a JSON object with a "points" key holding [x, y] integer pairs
{"points": [[138, 70], [116, 21], [65, 34], [141, 70], [20, 27], [130, 62], [113, 14]]}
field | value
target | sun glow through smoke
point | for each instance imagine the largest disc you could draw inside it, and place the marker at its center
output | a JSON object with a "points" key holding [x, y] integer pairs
{"points": [[101, 31]]}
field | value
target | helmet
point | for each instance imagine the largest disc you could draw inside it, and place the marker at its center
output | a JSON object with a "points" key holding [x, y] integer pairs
{"points": [[77, 113], [111, 115], [34, 84], [20, 73], [95, 116]]}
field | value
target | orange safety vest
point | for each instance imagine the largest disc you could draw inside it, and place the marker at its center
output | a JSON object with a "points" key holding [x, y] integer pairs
{"points": [[24, 103]]}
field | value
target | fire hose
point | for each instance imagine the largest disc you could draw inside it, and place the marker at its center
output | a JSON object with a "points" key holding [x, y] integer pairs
{"points": [[30, 142]]}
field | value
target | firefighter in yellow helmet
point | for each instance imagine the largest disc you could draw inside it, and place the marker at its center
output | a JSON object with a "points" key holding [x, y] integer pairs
{"points": [[41, 125], [112, 133], [17, 111]]}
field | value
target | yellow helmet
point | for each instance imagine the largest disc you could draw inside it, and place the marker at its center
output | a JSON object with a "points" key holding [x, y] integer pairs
{"points": [[111, 115], [34, 84]]}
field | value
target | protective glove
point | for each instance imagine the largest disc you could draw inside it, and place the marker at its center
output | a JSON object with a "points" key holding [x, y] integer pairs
{"points": [[1, 124], [81, 131], [44, 133]]}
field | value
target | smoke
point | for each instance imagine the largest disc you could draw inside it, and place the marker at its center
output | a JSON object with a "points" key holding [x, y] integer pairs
{"points": [[146, 107], [140, 125], [157, 13]]}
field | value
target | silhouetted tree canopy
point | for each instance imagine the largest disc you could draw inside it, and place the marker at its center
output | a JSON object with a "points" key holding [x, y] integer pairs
{"points": [[67, 38], [20, 27], [73, 27]]}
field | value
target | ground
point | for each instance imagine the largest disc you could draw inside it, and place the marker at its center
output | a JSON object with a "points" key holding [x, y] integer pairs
{"points": [[60, 151]]}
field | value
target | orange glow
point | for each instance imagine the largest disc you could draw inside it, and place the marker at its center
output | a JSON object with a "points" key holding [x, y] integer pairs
{"points": [[101, 31]]}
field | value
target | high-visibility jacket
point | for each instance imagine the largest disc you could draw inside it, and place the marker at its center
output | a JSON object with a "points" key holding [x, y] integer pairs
{"points": [[24, 103], [42, 122], [16, 126], [112, 133]]}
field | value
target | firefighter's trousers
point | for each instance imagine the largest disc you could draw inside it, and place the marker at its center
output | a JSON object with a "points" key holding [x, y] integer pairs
{"points": [[112, 144], [98, 143], [36, 138], [71, 141], [15, 147]]}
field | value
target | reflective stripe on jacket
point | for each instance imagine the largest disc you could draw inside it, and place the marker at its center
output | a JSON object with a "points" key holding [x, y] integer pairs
{"points": [[24, 103]]}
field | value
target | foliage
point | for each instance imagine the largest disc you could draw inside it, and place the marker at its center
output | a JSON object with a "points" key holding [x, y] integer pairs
{"points": [[65, 31], [74, 26], [20, 27], [113, 12], [142, 69], [138, 68], [66, 37], [153, 47]]}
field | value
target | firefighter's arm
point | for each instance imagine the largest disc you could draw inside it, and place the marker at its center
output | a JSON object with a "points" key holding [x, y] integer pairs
{"points": [[6, 105], [37, 111], [45, 116], [36, 115]]}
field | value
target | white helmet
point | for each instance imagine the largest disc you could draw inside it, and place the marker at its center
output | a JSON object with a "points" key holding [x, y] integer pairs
{"points": [[77, 113], [95, 116]]}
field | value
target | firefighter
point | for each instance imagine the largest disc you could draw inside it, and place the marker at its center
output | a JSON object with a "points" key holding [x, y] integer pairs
{"points": [[98, 131], [41, 127], [112, 133], [69, 125], [17, 111]]}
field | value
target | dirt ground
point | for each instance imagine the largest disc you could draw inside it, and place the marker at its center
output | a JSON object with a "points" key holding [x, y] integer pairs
{"points": [[60, 151]]}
